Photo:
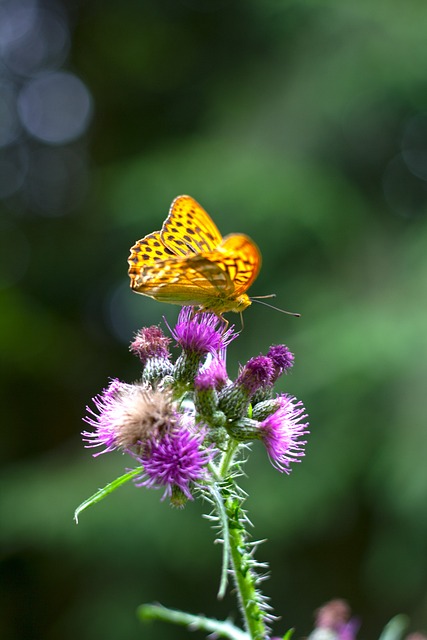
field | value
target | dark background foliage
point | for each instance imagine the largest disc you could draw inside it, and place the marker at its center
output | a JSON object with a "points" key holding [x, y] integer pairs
{"points": [[302, 124]]}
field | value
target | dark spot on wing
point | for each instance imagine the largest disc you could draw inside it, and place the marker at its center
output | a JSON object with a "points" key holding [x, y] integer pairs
{"points": [[191, 231], [159, 253]]}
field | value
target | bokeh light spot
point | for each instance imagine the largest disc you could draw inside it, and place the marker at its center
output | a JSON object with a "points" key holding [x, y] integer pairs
{"points": [[55, 108], [44, 45], [16, 19]]}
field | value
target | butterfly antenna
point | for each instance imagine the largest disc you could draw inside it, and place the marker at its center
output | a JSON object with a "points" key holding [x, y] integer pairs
{"points": [[273, 295]]}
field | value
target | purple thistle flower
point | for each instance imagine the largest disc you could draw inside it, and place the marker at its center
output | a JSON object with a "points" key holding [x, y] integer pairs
{"points": [[256, 374], [235, 398], [174, 462], [129, 415], [206, 383], [150, 342], [282, 359], [212, 377], [281, 431], [201, 332], [151, 346], [105, 428]]}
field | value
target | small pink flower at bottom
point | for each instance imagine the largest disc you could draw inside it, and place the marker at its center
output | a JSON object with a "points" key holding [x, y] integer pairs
{"points": [[281, 432], [175, 461], [334, 622]]}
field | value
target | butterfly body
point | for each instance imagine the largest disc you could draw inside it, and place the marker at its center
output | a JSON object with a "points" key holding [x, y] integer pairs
{"points": [[188, 262]]}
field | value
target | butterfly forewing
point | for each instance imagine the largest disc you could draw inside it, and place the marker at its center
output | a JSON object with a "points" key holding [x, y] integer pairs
{"points": [[147, 252], [189, 229]]}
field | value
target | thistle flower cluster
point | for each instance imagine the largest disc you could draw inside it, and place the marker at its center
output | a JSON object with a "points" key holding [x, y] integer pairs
{"points": [[182, 417]]}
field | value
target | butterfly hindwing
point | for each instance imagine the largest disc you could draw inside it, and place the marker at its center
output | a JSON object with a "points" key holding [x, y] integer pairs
{"points": [[195, 277], [242, 259]]}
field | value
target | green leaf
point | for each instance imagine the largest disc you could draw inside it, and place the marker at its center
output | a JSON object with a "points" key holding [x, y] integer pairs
{"points": [[222, 517], [219, 628], [105, 491]]}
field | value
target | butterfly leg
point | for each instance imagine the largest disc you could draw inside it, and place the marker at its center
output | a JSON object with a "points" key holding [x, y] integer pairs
{"points": [[225, 325], [241, 322]]}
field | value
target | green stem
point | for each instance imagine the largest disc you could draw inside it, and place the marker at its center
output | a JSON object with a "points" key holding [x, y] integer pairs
{"points": [[243, 572], [242, 563], [227, 458]]}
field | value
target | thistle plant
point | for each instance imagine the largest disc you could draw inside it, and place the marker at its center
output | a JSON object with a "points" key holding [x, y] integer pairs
{"points": [[188, 429]]}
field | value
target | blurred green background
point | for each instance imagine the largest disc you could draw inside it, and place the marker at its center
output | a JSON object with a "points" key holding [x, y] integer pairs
{"points": [[300, 123]]}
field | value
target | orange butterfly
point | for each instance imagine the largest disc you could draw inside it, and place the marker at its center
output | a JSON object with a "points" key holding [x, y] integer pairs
{"points": [[188, 262]]}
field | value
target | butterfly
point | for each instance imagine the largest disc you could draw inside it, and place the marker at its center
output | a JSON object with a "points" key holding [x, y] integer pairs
{"points": [[188, 262]]}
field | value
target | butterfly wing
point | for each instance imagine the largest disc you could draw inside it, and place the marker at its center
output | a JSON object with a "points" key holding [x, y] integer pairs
{"points": [[188, 261], [241, 258], [147, 252], [189, 228], [183, 280]]}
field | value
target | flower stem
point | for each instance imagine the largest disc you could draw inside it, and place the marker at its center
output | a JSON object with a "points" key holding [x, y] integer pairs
{"points": [[242, 564], [227, 458]]}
